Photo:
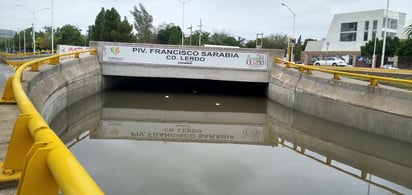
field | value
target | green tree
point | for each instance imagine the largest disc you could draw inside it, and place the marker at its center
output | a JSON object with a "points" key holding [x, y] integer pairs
{"points": [[272, 41], [97, 28], [69, 35], [392, 45], [275, 41], [169, 34], [405, 49], [109, 27], [222, 38], [408, 31], [109, 30], [15, 40], [205, 36], [29, 40], [143, 24], [250, 44], [125, 32], [44, 39]]}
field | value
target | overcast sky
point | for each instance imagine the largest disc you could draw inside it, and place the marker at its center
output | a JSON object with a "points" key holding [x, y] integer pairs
{"points": [[236, 17]]}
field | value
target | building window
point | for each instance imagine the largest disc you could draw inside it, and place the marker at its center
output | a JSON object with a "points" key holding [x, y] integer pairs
{"points": [[393, 23], [348, 31], [366, 25], [346, 27], [373, 35], [348, 36], [375, 25], [366, 32], [374, 28]]}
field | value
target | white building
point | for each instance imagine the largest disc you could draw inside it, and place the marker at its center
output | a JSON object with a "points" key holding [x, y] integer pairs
{"points": [[350, 31]]}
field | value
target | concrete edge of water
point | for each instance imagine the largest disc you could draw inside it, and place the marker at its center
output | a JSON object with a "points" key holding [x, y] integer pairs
{"points": [[382, 110]]}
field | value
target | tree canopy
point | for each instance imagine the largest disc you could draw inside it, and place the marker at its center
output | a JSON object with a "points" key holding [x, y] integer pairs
{"points": [[408, 31], [272, 41], [222, 38], [143, 24], [405, 49], [169, 34], [109, 27], [69, 35], [392, 45]]}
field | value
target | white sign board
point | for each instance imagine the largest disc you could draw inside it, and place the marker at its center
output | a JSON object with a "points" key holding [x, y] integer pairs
{"points": [[61, 49], [169, 131], [207, 57]]}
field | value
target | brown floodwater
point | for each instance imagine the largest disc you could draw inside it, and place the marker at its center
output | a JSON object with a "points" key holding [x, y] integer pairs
{"points": [[177, 143]]}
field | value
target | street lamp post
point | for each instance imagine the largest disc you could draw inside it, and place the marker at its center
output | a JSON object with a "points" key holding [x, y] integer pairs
{"points": [[183, 18], [327, 48], [293, 29], [385, 33], [24, 34], [34, 17], [19, 42], [200, 32], [24, 41]]}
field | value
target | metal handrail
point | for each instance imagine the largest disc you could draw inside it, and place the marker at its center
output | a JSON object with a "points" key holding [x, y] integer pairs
{"points": [[46, 163], [336, 74]]}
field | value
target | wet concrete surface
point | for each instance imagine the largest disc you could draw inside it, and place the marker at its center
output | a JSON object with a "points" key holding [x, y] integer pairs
{"points": [[8, 116]]}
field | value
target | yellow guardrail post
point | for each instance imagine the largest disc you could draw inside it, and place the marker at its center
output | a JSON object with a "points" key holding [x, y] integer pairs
{"points": [[309, 71], [288, 64], [277, 60], [301, 69], [336, 76], [35, 67], [374, 82], [8, 96], [37, 175], [55, 60]]}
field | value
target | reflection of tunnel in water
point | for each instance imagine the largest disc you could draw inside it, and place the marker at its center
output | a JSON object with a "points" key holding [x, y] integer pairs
{"points": [[242, 120]]}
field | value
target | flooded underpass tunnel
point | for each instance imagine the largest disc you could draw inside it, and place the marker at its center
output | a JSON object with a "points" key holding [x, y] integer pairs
{"points": [[184, 136]]}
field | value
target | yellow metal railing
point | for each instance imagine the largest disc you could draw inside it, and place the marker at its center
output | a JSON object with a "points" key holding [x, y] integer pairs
{"points": [[7, 55], [336, 74], [36, 155], [17, 59]]}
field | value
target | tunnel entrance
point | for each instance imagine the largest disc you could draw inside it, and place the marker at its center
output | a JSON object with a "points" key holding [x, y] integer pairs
{"points": [[186, 86]]}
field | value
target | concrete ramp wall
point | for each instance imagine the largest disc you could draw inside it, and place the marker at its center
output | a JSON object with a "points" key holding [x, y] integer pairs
{"points": [[57, 86], [381, 110]]}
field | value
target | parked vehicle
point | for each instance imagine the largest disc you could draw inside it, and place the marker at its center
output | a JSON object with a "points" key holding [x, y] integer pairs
{"points": [[299, 62], [330, 61], [389, 66]]}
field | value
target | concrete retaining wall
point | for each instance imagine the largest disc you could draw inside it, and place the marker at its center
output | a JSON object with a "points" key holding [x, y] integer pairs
{"points": [[382, 110], [57, 86]]}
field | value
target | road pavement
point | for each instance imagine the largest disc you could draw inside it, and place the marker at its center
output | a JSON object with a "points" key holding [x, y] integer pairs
{"points": [[5, 72], [8, 116]]}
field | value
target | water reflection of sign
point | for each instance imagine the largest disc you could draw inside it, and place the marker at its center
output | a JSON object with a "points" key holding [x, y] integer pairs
{"points": [[234, 59], [181, 131]]}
